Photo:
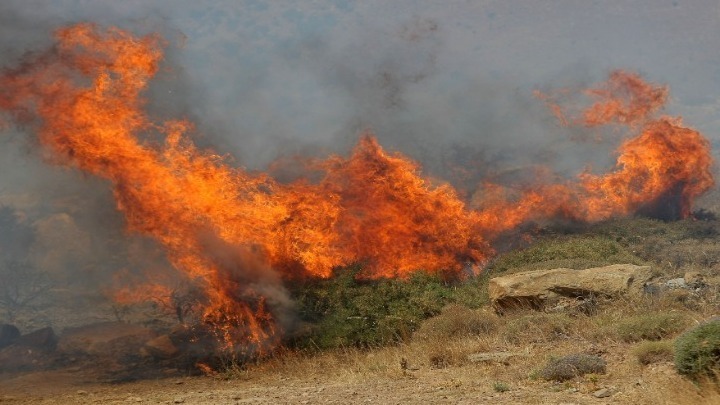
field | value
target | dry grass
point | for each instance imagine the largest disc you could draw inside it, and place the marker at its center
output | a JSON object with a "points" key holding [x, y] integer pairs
{"points": [[458, 321], [649, 352], [537, 327]]}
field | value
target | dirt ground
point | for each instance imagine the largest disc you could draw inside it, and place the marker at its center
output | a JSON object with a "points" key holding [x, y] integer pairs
{"points": [[468, 384]]}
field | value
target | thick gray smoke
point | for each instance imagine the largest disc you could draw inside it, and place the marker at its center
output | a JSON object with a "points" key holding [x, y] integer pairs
{"points": [[448, 83]]}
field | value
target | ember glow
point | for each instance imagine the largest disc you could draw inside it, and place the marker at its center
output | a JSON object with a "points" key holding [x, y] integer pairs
{"points": [[239, 235]]}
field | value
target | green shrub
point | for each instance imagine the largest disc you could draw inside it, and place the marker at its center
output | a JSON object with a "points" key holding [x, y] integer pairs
{"points": [[455, 321], [540, 327], [697, 351], [651, 326], [571, 366], [344, 311], [649, 352], [499, 386], [577, 252]]}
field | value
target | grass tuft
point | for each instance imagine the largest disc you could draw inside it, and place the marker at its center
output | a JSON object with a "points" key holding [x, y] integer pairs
{"points": [[650, 352]]}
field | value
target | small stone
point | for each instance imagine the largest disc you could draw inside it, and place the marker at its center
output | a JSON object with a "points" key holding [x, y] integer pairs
{"points": [[81, 392], [178, 401], [676, 283], [602, 393]]}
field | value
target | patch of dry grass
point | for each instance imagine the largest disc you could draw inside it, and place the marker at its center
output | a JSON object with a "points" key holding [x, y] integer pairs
{"points": [[649, 352], [458, 321], [537, 327]]}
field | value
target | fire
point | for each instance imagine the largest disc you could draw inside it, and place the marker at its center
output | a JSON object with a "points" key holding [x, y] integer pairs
{"points": [[237, 235], [661, 169]]}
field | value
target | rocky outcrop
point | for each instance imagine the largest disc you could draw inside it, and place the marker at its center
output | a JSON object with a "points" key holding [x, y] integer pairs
{"points": [[544, 289], [8, 334]]}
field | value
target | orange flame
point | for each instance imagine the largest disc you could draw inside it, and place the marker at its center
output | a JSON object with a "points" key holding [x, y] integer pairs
{"points": [[231, 231]]}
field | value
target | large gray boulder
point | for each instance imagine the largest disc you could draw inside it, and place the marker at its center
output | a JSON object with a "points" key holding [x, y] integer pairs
{"points": [[542, 289]]}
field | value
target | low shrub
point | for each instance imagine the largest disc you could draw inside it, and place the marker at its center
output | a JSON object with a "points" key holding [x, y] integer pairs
{"points": [[540, 327], [345, 311], [499, 386], [577, 252], [571, 366], [651, 326], [456, 321], [649, 352], [697, 351]]}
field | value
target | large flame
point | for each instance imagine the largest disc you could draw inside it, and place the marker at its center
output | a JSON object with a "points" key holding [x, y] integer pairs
{"points": [[231, 231]]}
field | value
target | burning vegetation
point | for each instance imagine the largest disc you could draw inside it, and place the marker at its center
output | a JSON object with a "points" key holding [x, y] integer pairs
{"points": [[236, 236]]}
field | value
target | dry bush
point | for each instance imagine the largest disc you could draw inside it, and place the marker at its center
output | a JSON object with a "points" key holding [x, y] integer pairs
{"points": [[457, 321], [649, 352], [537, 327], [574, 365], [651, 326]]}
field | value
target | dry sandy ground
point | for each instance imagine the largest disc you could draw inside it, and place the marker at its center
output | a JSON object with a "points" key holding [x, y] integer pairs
{"points": [[469, 384]]}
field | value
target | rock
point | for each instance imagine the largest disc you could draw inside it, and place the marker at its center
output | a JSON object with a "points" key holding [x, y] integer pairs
{"points": [[162, 347], [44, 338], [32, 351], [8, 334], [602, 393], [676, 283], [542, 289]]}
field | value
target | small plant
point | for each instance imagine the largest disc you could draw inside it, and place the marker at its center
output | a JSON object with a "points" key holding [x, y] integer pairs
{"points": [[537, 328], [571, 366], [697, 351], [457, 321], [441, 359], [499, 386], [651, 326], [649, 352]]}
